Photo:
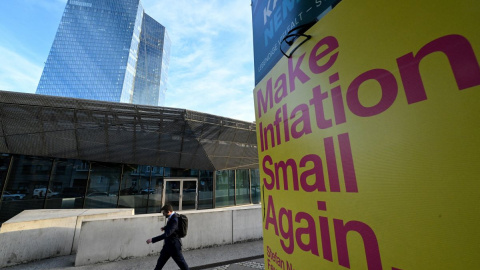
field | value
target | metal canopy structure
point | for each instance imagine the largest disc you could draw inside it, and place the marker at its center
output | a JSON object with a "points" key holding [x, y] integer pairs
{"points": [[39, 125]]}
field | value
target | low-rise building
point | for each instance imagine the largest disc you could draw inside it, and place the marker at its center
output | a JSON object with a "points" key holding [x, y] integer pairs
{"points": [[95, 154]]}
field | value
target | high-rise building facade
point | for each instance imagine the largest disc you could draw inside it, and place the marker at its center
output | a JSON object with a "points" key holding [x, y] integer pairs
{"points": [[152, 64], [107, 50]]}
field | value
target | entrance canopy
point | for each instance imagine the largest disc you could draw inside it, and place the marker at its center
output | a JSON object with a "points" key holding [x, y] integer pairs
{"points": [[39, 125]]}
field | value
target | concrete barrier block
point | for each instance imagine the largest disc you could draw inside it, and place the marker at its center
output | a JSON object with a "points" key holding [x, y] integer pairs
{"points": [[37, 240], [247, 224], [89, 214], [208, 228], [103, 240], [45, 233], [36, 219]]}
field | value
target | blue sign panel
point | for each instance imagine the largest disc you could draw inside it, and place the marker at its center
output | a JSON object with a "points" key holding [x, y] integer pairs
{"points": [[273, 20]]}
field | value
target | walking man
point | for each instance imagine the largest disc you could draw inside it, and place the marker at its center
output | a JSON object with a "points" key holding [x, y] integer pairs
{"points": [[172, 245]]}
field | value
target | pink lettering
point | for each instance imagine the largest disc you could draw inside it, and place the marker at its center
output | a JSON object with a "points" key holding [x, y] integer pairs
{"points": [[297, 72], [389, 88], [372, 251], [315, 56], [462, 59]]}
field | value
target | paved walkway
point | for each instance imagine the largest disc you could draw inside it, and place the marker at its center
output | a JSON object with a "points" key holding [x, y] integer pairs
{"points": [[241, 256]]}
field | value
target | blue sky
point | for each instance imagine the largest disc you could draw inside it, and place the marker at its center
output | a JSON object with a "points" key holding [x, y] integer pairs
{"points": [[211, 64]]}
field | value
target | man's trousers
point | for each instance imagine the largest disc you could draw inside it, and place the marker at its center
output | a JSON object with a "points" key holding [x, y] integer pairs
{"points": [[172, 248]]}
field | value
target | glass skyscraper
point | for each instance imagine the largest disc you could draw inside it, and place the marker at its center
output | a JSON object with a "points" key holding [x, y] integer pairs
{"points": [[152, 64], [108, 50]]}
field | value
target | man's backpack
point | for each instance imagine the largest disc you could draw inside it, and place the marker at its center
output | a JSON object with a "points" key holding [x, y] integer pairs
{"points": [[182, 226]]}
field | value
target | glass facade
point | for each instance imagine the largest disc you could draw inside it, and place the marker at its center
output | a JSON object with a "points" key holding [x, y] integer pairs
{"points": [[225, 188], [242, 187], [103, 185], [99, 50], [155, 194], [205, 190], [31, 182], [152, 65], [69, 178], [255, 186], [135, 188]]}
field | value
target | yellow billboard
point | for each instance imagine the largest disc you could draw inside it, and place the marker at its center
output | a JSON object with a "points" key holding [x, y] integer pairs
{"points": [[369, 140]]}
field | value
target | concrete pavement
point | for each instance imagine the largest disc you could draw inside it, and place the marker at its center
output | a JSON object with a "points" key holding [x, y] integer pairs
{"points": [[240, 256]]}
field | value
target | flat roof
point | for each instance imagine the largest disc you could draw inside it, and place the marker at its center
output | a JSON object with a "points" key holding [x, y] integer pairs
{"points": [[60, 127]]}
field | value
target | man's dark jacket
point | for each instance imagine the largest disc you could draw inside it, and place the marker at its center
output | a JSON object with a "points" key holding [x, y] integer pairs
{"points": [[170, 235]]}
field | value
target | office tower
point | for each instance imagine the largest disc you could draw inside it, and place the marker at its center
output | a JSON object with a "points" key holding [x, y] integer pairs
{"points": [[152, 65], [107, 50]]}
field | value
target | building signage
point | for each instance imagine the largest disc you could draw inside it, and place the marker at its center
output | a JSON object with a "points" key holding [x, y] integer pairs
{"points": [[272, 20], [369, 139]]}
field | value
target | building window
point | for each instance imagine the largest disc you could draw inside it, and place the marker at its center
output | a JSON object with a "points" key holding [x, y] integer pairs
{"points": [[4, 164], [68, 185], [225, 188], [103, 186], [255, 189], [27, 190], [242, 190], [205, 190], [135, 188], [156, 184]]}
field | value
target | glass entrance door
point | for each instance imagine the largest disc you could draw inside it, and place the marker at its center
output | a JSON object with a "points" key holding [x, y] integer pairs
{"points": [[181, 193]]}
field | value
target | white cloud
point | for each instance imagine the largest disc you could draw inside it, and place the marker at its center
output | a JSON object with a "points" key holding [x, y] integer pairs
{"points": [[211, 64], [18, 73]]}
